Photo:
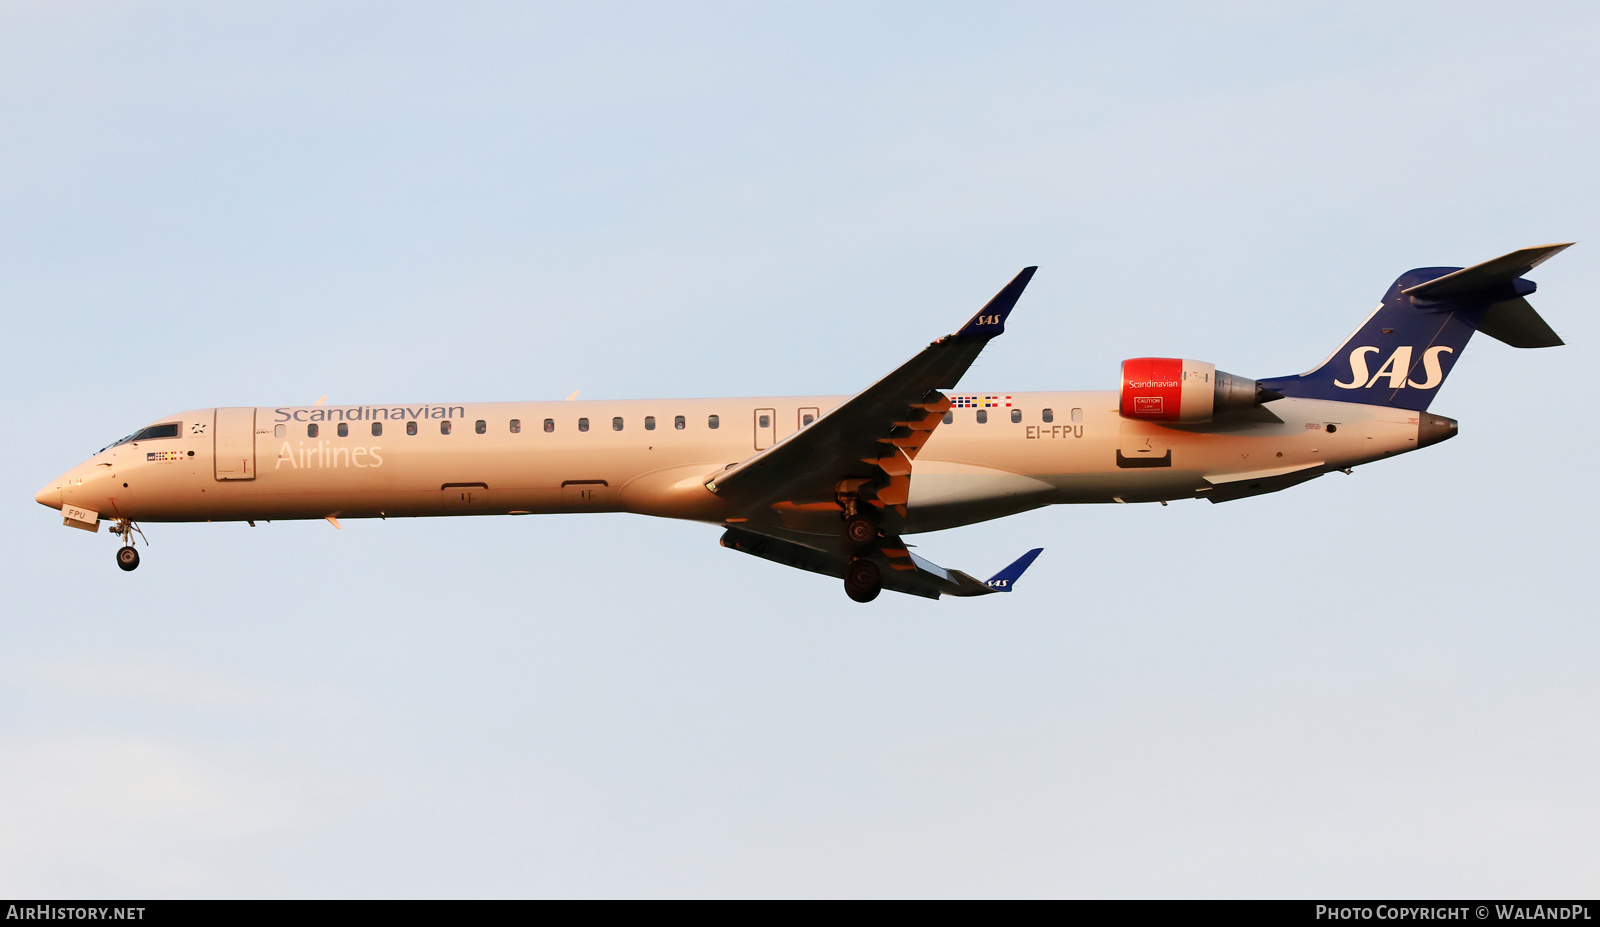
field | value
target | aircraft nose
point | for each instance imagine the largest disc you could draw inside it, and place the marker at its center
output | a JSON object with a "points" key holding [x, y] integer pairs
{"points": [[50, 495]]}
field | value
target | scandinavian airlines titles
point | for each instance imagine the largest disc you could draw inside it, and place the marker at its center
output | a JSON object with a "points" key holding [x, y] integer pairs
{"points": [[1396, 368]]}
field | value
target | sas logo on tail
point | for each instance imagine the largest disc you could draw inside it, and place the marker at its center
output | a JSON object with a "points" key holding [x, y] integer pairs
{"points": [[1396, 369]]}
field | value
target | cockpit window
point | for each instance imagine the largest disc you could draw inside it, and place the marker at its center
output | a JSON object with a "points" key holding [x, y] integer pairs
{"points": [[169, 430], [164, 430]]}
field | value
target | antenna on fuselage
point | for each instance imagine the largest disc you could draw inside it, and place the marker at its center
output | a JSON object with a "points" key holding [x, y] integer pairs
{"points": [[322, 400], [569, 398]]}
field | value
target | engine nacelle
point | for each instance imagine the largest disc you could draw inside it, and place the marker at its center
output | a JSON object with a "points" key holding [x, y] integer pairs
{"points": [[1170, 389]]}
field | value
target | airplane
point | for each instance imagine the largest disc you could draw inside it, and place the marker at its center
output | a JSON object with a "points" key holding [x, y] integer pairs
{"points": [[832, 484]]}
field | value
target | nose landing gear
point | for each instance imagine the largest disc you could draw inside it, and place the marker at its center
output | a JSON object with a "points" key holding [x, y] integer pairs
{"points": [[127, 557]]}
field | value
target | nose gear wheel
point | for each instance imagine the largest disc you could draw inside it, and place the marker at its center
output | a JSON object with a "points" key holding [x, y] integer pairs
{"points": [[127, 557]]}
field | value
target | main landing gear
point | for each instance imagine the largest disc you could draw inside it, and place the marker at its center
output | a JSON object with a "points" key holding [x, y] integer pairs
{"points": [[860, 534], [862, 578], [127, 557]]}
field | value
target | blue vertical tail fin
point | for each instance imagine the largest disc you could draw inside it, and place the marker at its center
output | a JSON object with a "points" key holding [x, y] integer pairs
{"points": [[1404, 351]]}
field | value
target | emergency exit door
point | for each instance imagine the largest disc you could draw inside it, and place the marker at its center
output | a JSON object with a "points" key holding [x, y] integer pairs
{"points": [[766, 428], [233, 444]]}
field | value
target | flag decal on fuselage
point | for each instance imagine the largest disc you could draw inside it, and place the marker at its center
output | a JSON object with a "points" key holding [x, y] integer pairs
{"points": [[981, 402]]}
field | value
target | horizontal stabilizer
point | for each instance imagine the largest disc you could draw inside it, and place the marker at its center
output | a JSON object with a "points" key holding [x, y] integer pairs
{"points": [[1519, 325], [1006, 578], [1500, 271]]}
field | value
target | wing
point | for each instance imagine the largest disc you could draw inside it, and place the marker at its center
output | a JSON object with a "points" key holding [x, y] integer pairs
{"points": [[902, 571], [866, 445]]}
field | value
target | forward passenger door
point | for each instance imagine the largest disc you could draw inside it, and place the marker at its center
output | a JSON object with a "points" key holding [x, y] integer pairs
{"points": [[233, 444]]}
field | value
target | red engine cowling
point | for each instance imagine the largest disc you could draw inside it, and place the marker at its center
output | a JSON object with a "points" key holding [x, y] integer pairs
{"points": [[1170, 389]]}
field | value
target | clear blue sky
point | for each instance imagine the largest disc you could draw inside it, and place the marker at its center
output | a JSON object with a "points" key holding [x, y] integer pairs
{"points": [[1378, 685]]}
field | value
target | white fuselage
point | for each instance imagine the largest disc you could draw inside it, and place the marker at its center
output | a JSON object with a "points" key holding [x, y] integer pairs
{"points": [[265, 463]]}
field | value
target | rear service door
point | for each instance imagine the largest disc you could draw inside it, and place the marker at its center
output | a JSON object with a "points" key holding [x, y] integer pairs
{"points": [[234, 444]]}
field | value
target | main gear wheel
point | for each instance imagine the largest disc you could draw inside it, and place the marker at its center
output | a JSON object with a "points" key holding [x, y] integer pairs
{"points": [[862, 580]]}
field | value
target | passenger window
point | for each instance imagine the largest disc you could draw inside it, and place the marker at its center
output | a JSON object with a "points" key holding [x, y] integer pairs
{"points": [[344, 430], [549, 425], [764, 421], [678, 423], [516, 426], [1049, 415], [480, 426], [616, 423], [411, 428], [583, 424], [444, 427], [1016, 415], [377, 429], [1077, 415], [649, 423], [278, 431], [712, 421], [311, 430], [949, 417], [807, 419], [983, 416]]}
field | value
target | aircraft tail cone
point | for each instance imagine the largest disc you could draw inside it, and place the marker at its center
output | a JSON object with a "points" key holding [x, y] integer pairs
{"points": [[1435, 428]]}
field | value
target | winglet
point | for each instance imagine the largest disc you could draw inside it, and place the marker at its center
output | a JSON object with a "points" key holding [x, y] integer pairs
{"points": [[1006, 578], [991, 319]]}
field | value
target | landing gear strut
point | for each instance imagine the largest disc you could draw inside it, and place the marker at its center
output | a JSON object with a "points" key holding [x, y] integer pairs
{"points": [[862, 580], [860, 527], [127, 557]]}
